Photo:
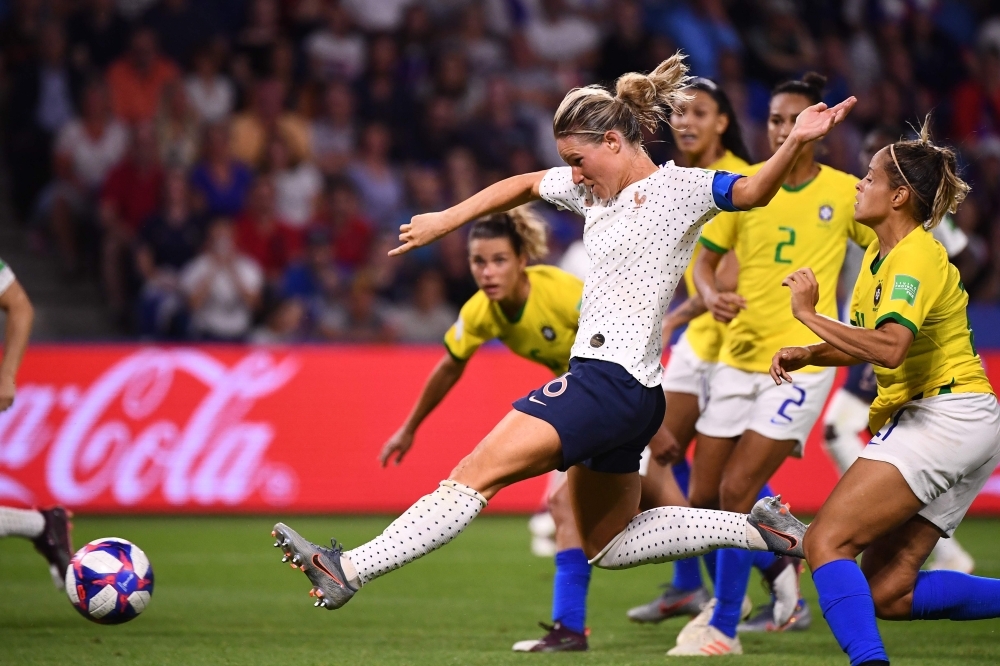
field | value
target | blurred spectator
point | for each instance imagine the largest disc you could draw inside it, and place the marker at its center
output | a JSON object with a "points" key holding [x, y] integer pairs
{"points": [[211, 94], [498, 130], [97, 35], [376, 180], [43, 98], [85, 150], [261, 235], [429, 316], [257, 40], [335, 51], [453, 83], [383, 95], [977, 101], [19, 33], [484, 53], [315, 274], [462, 172], [220, 182], [130, 194], [297, 183], [283, 325], [333, 134], [626, 49], [454, 264], [350, 232], [177, 128], [780, 44], [166, 242], [377, 16], [136, 80], [180, 27], [223, 287], [558, 34], [701, 29], [266, 117], [361, 319]]}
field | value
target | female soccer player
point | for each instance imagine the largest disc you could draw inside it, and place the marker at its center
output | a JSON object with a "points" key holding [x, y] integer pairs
{"points": [[594, 421], [750, 425], [936, 415], [708, 135]]}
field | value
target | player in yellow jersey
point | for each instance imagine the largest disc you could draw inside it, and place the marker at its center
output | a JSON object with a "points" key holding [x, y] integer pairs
{"points": [[708, 135], [936, 416], [749, 425]]}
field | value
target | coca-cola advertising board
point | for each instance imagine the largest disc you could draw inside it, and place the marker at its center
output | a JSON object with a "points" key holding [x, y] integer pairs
{"points": [[130, 428]]}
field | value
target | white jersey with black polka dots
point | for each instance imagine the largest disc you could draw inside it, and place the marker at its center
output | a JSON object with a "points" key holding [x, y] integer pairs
{"points": [[639, 244]]}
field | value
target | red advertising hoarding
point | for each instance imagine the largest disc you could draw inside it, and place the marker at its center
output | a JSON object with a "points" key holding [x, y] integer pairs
{"points": [[130, 428]]}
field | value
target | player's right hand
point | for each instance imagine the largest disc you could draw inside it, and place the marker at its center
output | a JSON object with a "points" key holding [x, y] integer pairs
{"points": [[786, 360], [422, 230], [397, 445], [725, 305], [7, 390]]}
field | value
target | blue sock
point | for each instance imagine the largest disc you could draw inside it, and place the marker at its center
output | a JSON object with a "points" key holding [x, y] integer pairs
{"points": [[687, 574], [846, 600], [682, 475], [569, 589], [712, 566], [949, 595], [731, 586]]}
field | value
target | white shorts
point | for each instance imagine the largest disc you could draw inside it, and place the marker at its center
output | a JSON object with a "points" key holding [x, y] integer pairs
{"points": [[741, 401], [946, 447], [686, 373]]}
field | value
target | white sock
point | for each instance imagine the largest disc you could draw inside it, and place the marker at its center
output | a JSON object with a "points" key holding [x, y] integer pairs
{"points": [[676, 532], [21, 522], [846, 416], [430, 523]]}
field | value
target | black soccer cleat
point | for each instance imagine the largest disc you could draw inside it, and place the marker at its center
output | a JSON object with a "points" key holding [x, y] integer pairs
{"points": [[558, 639], [55, 543], [320, 564]]}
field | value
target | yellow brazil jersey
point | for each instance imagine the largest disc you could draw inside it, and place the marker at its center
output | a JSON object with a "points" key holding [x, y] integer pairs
{"points": [[804, 226], [544, 331], [915, 285], [704, 333]]}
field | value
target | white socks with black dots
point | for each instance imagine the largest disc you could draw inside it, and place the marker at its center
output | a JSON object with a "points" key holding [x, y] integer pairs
{"points": [[21, 522], [676, 532], [432, 522]]}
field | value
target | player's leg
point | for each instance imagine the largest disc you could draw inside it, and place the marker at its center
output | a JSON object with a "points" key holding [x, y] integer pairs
{"points": [[519, 447], [49, 531]]}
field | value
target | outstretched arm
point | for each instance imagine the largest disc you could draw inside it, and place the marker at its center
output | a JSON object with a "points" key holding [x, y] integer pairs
{"points": [[447, 372], [20, 315], [498, 197], [812, 124]]}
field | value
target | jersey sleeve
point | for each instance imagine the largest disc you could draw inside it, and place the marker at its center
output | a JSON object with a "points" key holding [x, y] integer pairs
{"points": [[912, 286], [557, 187], [860, 234], [471, 329], [6, 276], [719, 235]]}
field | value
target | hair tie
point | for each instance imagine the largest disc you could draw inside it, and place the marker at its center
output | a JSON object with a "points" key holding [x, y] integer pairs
{"points": [[892, 151]]}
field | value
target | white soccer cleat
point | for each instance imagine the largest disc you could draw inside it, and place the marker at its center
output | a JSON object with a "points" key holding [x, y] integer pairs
{"points": [[950, 556], [707, 641], [701, 620]]}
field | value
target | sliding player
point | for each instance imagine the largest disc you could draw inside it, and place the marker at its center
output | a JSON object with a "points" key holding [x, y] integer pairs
{"points": [[594, 421], [750, 425], [49, 529], [936, 415], [708, 135], [847, 413]]}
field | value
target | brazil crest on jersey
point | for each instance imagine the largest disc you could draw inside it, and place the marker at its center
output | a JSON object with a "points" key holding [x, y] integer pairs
{"points": [[543, 332], [917, 287]]}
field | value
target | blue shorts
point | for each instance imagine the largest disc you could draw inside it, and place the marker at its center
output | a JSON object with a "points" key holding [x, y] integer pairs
{"points": [[861, 382], [603, 415]]}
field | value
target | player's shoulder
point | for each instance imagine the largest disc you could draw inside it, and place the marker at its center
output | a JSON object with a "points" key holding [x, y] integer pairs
{"points": [[477, 309], [839, 179], [920, 251], [671, 173]]}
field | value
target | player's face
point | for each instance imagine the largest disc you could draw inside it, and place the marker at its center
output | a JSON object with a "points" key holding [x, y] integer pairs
{"points": [[873, 201], [698, 125], [495, 266], [785, 108], [598, 166]]}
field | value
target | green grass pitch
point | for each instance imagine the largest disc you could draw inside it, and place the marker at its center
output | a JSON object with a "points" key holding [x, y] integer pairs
{"points": [[223, 597]]}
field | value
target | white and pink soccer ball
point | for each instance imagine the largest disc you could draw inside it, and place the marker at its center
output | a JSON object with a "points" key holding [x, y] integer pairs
{"points": [[109, 581]]}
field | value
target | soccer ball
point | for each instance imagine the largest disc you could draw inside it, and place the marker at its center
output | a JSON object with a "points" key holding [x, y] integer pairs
{"points": [[109, 581]]}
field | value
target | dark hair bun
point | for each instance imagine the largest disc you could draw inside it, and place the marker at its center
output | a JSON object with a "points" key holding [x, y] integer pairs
{"points": [[815, 80]]}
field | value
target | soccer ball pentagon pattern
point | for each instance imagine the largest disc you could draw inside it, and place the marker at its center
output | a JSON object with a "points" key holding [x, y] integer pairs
{"points": [[109, 581]]}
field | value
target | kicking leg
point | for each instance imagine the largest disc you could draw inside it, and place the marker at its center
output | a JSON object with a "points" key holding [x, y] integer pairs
{"points": [[519, 447]]}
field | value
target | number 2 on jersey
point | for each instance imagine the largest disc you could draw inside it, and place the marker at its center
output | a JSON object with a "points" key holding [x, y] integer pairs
{"points": [[781, 246]]}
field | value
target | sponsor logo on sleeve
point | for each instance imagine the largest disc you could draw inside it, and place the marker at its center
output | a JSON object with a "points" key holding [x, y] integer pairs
{"points": [[904, 288]]}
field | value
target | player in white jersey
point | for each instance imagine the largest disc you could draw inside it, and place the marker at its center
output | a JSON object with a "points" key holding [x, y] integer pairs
{"points": [[847, 413], [49, 529], [641, 226]]}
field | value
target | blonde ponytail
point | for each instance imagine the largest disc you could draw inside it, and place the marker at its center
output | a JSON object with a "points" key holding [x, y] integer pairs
{"points": [[640, 101], [526, 230]]}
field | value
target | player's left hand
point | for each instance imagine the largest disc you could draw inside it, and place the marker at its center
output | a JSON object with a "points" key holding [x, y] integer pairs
{"points": [[422, 230], [805, 292], [816, 121], [664, 448], [788, 359], [7, 391]]}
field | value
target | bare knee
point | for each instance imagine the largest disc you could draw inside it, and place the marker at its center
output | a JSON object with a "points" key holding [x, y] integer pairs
{"points": [[559, 503], [893, 597], [823, 545], [736, 494]]}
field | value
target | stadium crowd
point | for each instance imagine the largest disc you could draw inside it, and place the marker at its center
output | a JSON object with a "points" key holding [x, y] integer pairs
{"points": [[237, 169]]}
